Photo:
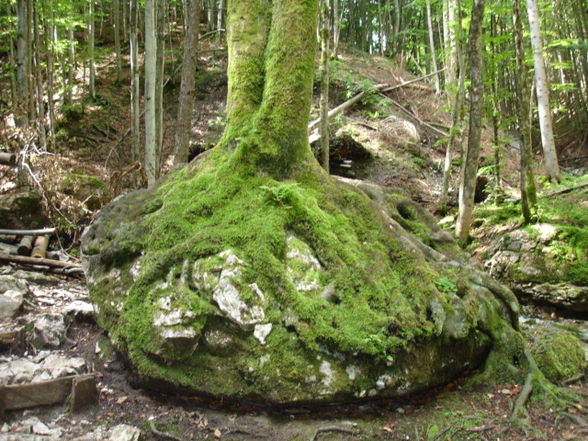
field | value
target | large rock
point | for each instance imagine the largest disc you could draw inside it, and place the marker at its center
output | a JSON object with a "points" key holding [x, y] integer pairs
{"points": [[281, 292], [12, 293], [541, 264]]}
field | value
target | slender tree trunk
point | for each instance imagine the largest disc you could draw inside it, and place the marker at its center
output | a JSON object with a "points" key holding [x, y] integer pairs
{"points": [[135, 86], [219, 21], [457, 97], [91, 61], [51, 40], [12, 61], [159, 73], [152, 160], [337, 18], [38, 75], [527, 180], [542, 86], [23, 56], [324, 74], [116, 30], [432, 46], [467, 186], [186, 106]]}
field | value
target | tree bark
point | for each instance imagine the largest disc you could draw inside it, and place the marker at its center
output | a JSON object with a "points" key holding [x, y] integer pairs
{"points": [[542, 87], [467, 186], [116, 30], [324, 74], [270, 76], [527, 180], [432, 46], [186, 106], [91, 61], [135, 86], [151, 150], [23, 57]]}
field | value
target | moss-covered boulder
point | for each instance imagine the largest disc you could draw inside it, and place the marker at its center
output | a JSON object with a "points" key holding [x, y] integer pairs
{"points": [[544, 263], [558, 352], [281, 291]]}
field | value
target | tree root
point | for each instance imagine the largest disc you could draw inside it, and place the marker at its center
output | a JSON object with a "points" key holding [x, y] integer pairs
{"points": [[164, 435], [331, 429]]}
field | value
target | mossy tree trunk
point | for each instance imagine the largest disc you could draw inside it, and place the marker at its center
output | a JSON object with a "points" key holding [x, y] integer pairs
{"points": [[271, 47]]}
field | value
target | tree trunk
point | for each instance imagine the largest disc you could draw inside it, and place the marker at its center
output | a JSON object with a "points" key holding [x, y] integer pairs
{"points": [[324, 74], [467, 186], [337, 18], [116, 30], [432, 46], [527, 180], [186, 106], [160, 15], [91, 61], [23, 57], [38, 76], [270, 85], [135, 87], [542, 86], [151, 150]]}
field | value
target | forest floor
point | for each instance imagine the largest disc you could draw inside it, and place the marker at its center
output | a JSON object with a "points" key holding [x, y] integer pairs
{"points": [[91, 165]]}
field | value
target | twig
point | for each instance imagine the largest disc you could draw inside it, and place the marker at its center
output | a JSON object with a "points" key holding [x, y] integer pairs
{"points": [[523, 397], [203, 36], [331, 429], [163, 434]]}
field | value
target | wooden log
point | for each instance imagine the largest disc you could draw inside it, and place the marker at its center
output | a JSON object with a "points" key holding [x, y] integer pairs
{"points": [[33, 261], [9, 238], [7, 338], [45, 393], [82, 389], [7, 158], [25, 246], [28, 232], [83, 392], [8, 249], [40, 248]]}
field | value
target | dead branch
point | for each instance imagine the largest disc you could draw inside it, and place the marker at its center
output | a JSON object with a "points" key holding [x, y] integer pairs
{"points": [[565, 190], [28, 232], [573, 379], [36, 261], [406, 83], [435, 130]]}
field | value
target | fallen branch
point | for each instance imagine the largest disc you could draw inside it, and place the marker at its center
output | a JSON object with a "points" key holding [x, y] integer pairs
{"points": [[573, 379], [36, 261], [565, 190], [406, 83], [440, 133], [165, 435], [27, 232], [347, 104], [331, 429], [519, 406]]}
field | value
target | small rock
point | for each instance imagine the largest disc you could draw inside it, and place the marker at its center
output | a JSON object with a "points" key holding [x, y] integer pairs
{"points": [[80, 308], [262, 331], [49, 330], [10, 302], [124, 432]]}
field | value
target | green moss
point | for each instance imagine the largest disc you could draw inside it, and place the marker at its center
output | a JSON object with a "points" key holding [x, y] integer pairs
{"points": [[558, 353]]}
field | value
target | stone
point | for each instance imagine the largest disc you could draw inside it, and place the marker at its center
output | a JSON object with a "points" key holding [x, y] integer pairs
{"points": [[10, 303], [49, 330], [80, 308], [320, 299], [125, 432]]}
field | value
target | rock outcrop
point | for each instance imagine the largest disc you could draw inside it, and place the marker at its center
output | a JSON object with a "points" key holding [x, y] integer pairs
{"points": [[541, 264]]}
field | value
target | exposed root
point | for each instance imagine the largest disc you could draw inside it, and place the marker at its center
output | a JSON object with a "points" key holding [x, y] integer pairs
{"points": [[331, 429], [164, 435], [519, 407]]}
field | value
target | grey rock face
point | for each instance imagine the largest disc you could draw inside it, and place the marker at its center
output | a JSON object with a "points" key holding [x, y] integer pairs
{"points": [[49, 330], [536, 265]]}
